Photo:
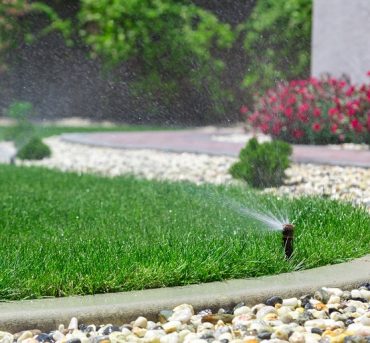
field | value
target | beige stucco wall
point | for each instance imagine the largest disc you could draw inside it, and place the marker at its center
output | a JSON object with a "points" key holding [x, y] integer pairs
{"points": [[341, 38]]}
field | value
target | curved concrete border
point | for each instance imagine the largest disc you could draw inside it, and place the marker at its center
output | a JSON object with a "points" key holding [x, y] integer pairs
{"points": [[46, 314], [199, 141]]}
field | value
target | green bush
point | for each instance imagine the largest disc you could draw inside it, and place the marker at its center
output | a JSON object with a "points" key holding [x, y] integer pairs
{"points": [[262, 165], [23, 129], [277, 42], [35, 149], [20, 110]]}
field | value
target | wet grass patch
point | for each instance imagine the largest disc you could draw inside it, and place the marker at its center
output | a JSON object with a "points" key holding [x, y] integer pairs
{"points": [[64, 234]]}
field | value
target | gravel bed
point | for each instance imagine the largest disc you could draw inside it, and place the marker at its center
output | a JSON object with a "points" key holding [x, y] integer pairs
{"points": [[335, 182], [330, 315], [346, 183], [149, 164]]}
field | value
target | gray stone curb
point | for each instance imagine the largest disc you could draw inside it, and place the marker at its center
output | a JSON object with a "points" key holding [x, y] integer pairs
{"points": [[198, 142], [117, 308]]}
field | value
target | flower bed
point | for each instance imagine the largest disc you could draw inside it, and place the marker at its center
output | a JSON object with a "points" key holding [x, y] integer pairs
{"points": [[314, 111]]}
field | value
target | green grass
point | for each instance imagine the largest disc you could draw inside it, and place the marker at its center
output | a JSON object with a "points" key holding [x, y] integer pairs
{"points": [[44, 131], [64, 234]]}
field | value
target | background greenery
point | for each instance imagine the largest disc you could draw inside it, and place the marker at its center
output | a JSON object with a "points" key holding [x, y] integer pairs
{"points": [[277, 42], [190, 55]]}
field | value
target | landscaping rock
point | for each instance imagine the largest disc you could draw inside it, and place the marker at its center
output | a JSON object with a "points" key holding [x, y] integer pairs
{"points": [[273, 301], [345, 183], [341, 320]]}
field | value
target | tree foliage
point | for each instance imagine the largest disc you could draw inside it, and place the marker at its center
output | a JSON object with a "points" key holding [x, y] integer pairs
{"points": [[9, 12], [169, 44], [162, 31], [14, 28], [171, 41], [277, 42], [172, 49]]}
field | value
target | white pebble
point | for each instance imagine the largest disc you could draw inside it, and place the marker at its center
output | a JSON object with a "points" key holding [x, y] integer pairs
{"points": [[190, 337], [365, 320], [172, 326], [153, 336], [291, 302], [58, 336], [227, 335], [311, 337], [25, 335], [242, 310], [319, 323], [141, 322], [297, 337], [355, 293], [359, 329], [334, 299], [183, 315], [365, 294], [183, 334], [333, 291], [117, 337], [73, 324], [125, 332], [264, 311], [171, 338]]}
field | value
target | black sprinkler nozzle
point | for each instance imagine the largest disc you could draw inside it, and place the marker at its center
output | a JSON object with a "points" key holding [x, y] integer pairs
{"points": [[288, 236]]}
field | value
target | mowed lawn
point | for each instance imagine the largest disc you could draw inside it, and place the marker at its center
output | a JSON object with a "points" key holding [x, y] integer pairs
{"points": [[44, 131], [64, 234]]}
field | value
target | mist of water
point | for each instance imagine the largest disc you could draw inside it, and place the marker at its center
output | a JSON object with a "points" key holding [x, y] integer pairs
{"points": [[273, 218], [265, 217]]}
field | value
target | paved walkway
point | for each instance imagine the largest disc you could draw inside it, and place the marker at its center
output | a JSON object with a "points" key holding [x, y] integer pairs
{"points": [[205, 141]]}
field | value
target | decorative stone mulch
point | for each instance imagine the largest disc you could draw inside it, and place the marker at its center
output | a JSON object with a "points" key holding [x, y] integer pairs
{"points": [[330, 315], [347, 183]]}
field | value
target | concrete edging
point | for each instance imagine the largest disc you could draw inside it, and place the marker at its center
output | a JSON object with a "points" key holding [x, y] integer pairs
{"points": [[47, 314], [198, 142]]}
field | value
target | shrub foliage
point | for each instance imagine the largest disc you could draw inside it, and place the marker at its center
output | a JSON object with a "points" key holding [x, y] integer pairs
{"points": [[277, 42], [170, 41], [23, 130], [35, 149], [173, 48], [262, 165], [169, 47]]}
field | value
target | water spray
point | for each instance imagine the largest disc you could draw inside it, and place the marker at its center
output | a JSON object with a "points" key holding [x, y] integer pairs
{"points": [[288, 235]]}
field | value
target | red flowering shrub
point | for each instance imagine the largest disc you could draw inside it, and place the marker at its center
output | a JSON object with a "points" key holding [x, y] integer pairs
{"points": [[314, 111]]}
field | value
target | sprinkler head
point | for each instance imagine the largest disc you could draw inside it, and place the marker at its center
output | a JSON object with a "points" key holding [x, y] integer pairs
{"points": [[288, 235]]}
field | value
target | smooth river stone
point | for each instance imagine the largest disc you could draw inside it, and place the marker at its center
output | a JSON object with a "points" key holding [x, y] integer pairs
{"points": [[73, 324], [141, 322], [153, 336], [170, 338], [264, 311], [172, 326], [25, 335], [274, 300]]}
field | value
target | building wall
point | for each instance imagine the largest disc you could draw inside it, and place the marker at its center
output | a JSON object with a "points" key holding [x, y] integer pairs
{"points": [[341, 38]]}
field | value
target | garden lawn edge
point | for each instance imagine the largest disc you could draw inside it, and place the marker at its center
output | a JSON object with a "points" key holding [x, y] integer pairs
{"points": [[117, 308]]}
